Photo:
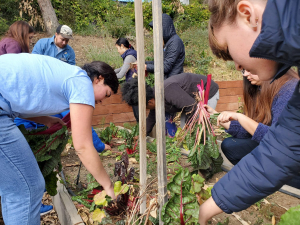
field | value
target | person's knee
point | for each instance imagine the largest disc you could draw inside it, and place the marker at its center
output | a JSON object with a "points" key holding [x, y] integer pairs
{"points": [[226, 145], [229, 149]]}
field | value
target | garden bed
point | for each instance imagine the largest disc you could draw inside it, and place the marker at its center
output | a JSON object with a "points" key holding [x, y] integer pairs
{"points": [[271, 208]]}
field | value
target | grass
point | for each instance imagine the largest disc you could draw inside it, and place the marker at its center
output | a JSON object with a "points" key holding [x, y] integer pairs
{"points": [[107, 53]]}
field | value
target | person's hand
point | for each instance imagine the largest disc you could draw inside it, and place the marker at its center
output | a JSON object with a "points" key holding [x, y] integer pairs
{"points": [[225, 117], [107, 147], [110, 191], [145, 66], [210, 110], [51, 120]]}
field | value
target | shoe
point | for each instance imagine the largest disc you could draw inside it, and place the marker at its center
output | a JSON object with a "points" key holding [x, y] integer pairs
{"points": [[45, 209]]}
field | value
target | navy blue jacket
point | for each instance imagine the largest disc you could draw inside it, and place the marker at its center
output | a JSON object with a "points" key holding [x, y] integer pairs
{"points": [[174, 53], [277, 158]]}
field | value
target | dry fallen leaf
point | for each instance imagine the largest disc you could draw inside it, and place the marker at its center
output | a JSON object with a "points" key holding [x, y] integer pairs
{"points": [[133, 161]]}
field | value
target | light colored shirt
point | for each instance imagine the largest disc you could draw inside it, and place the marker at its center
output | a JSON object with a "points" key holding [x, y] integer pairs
{"points": [[121, 72], [36, 85], [46, 46]]}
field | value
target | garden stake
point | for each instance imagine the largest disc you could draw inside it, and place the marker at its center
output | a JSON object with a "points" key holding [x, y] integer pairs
{"points": [[78, 175]]}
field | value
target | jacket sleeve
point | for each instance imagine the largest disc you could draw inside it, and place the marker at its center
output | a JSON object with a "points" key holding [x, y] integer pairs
{"points": [[171, 54], [98, 144], [278, 105], [237, 131], [269, 166], [126, 65]]}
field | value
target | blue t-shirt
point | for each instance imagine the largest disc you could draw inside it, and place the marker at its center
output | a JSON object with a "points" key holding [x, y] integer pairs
{"points": [[36, 85], [46, 46]]}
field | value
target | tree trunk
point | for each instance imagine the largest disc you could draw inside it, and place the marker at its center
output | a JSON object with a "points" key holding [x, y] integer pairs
{"points": [[49, 16]]}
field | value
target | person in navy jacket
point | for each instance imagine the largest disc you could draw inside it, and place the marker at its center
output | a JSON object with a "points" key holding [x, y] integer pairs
{"points": [[270, 31]]}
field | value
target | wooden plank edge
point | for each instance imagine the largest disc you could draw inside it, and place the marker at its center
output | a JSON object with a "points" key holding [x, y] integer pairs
{"points": [[65, 209]]}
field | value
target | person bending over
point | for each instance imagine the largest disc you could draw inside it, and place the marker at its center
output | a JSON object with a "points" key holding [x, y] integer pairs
{"points": [[263, 104], [22, 185], [258, 26], [179, 96]]}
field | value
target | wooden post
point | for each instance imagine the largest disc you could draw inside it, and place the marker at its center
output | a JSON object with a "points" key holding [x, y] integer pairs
{"points": [[142, 98], [159, 103]]}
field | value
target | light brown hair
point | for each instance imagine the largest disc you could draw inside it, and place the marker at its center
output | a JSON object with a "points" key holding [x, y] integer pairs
{"points": [[20, 31], [258, 100], [222, 11]]}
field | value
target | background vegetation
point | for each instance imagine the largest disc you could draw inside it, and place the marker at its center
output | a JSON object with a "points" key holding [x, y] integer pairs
{"points": [[111, 19]]}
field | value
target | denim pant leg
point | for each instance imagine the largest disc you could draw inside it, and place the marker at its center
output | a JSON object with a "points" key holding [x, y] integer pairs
{"points": [[21, 181], [236, 148]]}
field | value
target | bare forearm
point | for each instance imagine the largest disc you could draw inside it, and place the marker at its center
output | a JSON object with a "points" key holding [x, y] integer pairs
{"points": [[248, 124], [91, 160], [207, 210], [40, 119]]}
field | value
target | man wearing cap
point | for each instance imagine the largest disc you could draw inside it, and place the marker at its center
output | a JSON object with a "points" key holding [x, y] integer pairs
{"points": [[57, 46]]}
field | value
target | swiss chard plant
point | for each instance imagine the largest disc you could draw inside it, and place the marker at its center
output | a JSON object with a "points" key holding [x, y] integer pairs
{"points": [[108, 133], [199, 137], [47, 148], [131, 139], [187, 194]]}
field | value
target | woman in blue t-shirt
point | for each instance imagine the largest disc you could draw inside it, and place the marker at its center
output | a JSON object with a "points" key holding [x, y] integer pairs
{"points": [[60, 87]]}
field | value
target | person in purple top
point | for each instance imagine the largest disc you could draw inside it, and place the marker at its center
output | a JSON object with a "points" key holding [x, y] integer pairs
{"points": [[17, 38], [263, 104]]}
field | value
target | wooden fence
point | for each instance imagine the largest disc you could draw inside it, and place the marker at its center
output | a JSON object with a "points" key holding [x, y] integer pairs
{"points": [[114, 110]]}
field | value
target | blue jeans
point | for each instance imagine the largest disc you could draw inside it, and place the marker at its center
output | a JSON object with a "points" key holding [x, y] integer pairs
{"points": [[21, 181]]}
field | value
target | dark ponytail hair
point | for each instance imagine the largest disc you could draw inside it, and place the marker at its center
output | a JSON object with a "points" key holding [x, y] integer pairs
{"points": [[97, 68], [125, 42]]}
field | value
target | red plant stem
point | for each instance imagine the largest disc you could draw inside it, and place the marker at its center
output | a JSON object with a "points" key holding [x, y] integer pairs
{"points": [[181, 206], [48, 145], [207, 88]]}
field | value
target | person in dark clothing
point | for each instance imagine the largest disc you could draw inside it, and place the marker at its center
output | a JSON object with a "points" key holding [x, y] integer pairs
{"points": [[263, 104], [174, 53], [179, 96], [270, 31]]}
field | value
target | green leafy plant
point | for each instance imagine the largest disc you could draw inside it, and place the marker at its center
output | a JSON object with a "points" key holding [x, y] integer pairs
{"points": [[199, 137], [47, 149], [183, 206], [131, 139], [108, 133], [291, 217]]}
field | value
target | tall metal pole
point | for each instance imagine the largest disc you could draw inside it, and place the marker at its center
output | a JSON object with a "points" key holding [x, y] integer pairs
{"points": [[142, 98], [159, 103]]}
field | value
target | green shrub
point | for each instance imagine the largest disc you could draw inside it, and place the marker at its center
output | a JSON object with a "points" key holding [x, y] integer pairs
{"points": [[197, 49], [3, 26], [119, 27]]}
